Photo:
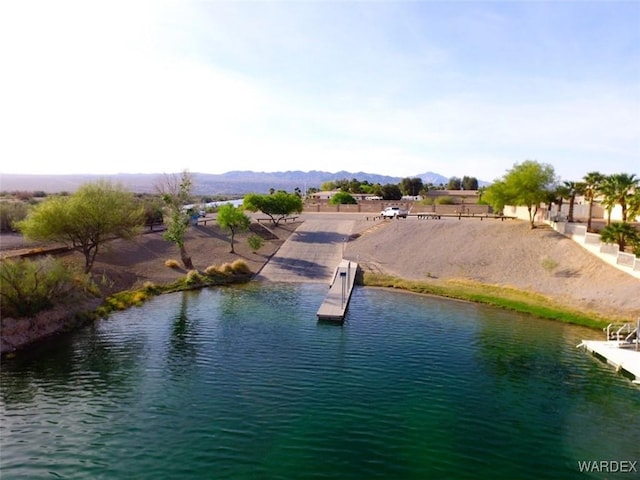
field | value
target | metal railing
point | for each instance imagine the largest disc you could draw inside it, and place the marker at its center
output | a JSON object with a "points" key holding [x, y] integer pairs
{"points": [[625, 333]]}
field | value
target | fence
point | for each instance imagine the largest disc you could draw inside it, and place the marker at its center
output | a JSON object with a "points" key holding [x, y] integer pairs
{"points": [[608, 252], [412, 207]]}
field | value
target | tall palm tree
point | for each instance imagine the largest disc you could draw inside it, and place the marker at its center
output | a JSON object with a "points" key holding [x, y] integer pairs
{"points": [[607, 189], [592, 182], [574, 188], [559, 194], [634, 205], [625, 186]]}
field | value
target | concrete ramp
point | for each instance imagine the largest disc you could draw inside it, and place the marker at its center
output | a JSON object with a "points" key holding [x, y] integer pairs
{"points": [[310, 254]]}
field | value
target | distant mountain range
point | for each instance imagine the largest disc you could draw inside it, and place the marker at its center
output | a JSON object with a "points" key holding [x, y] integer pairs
{"points": [[234, 182]]}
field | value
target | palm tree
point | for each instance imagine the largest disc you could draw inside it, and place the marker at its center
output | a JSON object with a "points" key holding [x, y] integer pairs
{"points": [[592, 181], [559, 194], [634, 205], [574, 188], [607, 189], [625, 186], [621, 233]]}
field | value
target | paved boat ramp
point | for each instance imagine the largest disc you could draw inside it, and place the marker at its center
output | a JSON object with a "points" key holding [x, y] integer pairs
{"points": [[314, 254]]}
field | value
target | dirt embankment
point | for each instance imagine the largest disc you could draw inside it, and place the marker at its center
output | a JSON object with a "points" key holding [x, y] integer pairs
{"points": [[128, 264], [501, 253]]}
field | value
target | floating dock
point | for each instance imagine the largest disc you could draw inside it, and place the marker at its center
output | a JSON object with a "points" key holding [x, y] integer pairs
{"points": [[625, 358], [334, 306]]}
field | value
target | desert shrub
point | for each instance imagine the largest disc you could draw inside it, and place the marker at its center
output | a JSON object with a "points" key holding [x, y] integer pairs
{"points": [[125, 299], [212, 270], [445, 200], [226, 268], [255, 242], [28, 287], [193, 277], [10, 213], [240, 266], [171, 263], [151, 287]]}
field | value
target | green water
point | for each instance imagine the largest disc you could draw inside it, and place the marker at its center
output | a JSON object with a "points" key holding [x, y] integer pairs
{"points": [[244, 383]]}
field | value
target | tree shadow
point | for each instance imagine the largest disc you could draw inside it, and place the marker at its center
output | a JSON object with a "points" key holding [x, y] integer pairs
{"points": [[211, 232], [300, 267], [568, 273], [320, 237]]}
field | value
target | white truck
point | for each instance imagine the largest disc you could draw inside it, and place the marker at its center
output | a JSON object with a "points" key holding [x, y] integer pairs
{"points": [[394, 212]]}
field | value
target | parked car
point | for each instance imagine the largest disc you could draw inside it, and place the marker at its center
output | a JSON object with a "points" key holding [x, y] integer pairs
{"points": [[394, 212]]}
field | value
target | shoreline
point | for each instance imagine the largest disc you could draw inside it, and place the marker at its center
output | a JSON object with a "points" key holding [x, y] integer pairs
{"points": [[479, 270], [470, 294]]}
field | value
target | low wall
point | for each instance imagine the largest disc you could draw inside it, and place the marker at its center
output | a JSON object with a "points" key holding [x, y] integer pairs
{"points": [[608, 252], [412, 207]]}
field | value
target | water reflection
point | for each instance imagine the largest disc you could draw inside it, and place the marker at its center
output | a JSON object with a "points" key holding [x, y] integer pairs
{"points": [[246, 379]]}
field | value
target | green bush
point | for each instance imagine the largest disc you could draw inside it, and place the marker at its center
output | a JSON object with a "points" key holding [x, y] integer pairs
{"points": [[11, 212], [342, 198], [445, 200], [28, 287], [255, 242]]}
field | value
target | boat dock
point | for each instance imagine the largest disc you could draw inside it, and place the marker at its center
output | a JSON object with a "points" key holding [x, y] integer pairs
{"points": [[621, 349], [336, 302]]}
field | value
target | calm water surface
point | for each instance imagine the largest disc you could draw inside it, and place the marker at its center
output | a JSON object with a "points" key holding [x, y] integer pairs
{"points": [[244, 383]]}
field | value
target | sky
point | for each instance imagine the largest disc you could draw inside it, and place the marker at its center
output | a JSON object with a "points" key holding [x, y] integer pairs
{"points": [[389, 87]]}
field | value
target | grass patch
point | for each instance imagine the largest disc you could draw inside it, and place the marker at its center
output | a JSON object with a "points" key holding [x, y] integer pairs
{"points": [[504, 297], [227, 273]]}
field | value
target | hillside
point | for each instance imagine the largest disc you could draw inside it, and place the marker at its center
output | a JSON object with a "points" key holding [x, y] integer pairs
{"points": [[500, 253]]}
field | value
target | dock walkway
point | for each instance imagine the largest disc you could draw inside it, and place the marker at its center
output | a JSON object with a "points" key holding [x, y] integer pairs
{"points": [[336, 302], [622, 358]]}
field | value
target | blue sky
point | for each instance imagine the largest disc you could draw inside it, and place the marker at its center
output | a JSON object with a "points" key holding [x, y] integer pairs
{"points": [[398, 88]]}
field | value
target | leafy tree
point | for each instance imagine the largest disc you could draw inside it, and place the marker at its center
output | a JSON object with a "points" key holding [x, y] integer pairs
{"points": [[390, 192], [497, 195], [96, 213], [525, 184], [275, 206], [592, 181], [469, 183], [233, 219], [328, 186], [176, 193], [355, 186], [454, 183], [342, 198], [621, 233], [411, 186], [153, 214]]}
